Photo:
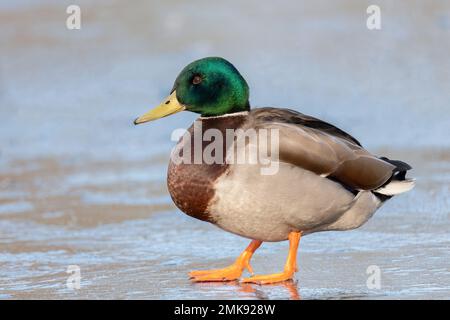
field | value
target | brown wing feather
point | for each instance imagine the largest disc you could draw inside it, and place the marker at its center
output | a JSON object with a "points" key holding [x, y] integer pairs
{"points": [[323, 148]]}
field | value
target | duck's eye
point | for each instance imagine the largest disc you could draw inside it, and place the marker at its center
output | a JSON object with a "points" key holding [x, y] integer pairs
{"points": [[196, 79]]}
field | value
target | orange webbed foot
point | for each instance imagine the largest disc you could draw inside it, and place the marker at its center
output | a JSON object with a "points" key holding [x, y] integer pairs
{"points": [[289, 269], [230, 273]]}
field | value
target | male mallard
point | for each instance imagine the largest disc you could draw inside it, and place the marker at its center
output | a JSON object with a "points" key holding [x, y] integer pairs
{"points": [[325, 179]]}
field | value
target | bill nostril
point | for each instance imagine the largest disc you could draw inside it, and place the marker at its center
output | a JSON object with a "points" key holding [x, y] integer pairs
{"points": [[168, 101]]}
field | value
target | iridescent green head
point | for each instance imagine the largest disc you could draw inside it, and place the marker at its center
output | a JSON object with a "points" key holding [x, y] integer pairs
{"points": [[212, 87], [209, 86]]}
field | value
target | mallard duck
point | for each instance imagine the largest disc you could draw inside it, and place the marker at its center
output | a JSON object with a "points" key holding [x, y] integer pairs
{"points": [[325, 180]]}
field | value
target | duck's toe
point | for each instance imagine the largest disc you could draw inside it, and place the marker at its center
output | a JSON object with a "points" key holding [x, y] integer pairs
{"points": [[230, 273]]}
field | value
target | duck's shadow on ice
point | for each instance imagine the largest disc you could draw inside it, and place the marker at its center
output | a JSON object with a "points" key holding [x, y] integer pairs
{"points": [[285, 290]]}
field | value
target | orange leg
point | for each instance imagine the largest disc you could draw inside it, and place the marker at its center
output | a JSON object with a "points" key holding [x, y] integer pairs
{"points": [[289, 268], [231, 272]]}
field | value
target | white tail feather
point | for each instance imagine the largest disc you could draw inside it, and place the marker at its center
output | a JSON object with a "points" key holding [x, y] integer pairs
{"points": [[396, 187]]}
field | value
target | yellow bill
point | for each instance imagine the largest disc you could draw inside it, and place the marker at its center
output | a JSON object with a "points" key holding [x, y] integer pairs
{"points": [[168, 107]]}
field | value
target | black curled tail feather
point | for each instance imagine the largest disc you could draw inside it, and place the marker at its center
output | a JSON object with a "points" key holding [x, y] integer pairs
{"points": [[398, 174]]}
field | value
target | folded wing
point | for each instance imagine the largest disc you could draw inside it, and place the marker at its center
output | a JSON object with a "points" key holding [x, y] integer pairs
{"points": [[322, 148]]}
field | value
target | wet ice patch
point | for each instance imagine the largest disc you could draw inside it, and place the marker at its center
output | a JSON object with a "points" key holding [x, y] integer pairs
{"points": [[15, 207]]}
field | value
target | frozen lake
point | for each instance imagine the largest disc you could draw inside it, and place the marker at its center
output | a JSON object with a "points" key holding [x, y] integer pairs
{"points": [[81, 185]]}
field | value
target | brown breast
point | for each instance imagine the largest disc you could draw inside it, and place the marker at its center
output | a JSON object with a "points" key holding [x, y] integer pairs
{"points": [[191, 185]]}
